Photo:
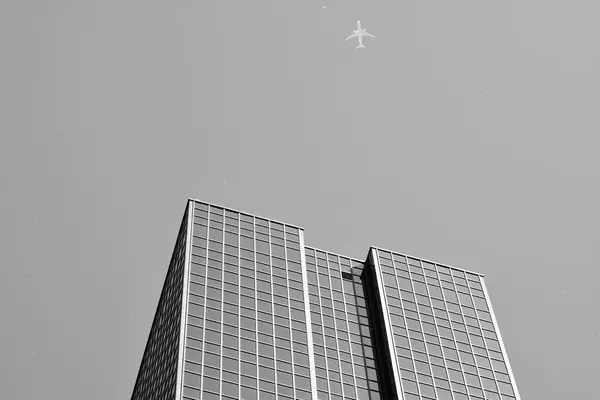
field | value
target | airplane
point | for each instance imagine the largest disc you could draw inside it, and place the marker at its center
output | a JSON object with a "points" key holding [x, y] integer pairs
{"points": [[359, 33]]}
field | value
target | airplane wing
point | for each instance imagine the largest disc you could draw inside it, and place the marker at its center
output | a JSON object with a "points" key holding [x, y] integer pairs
{"points": [[369, 35], [350, 37]]}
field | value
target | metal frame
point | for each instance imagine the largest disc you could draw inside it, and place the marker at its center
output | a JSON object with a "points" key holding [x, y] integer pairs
{"points": [[425, 260], [184, 301], [255, 307], [386, 318], [497, 329], [339, 255], [205, 303], [254, 216], [311, 350], [221, 300], [239, 303]]}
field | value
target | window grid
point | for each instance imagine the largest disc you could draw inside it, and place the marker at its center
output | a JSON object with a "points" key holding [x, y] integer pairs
{"points": [[205, 291], [458, 298], [273, 310], [348, 325], [420, 325], [460, 362], [201, 243], [438, 332], [403, 317], [335, 324], [316, 266], [484, 343], [469, 337], [227, 258], [187, 300]]}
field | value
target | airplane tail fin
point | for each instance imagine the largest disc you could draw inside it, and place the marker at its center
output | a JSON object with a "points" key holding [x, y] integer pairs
{"points": [[361, 46]]}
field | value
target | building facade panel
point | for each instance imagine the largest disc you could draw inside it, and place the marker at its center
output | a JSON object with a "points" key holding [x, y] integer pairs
{"points": [[247, 311], [246, 333], [443, 335]]}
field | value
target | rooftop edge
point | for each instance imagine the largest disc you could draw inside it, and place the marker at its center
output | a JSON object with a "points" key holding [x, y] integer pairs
{"points": [[245, 213], [330, 252], [426, 260]]}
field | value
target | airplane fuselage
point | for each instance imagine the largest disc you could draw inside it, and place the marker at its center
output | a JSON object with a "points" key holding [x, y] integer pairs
{"points": [[359, 33]]}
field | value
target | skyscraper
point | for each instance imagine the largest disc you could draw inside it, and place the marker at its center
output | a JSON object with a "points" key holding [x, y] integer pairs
{"points": [[248, 311]]}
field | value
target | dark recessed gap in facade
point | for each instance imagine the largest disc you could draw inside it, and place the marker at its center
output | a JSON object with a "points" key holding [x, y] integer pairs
{"points": [[347, 275]]}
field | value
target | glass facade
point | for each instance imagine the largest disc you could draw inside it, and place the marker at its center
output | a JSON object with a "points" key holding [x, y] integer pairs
{"points": [[246, 334], [444, 340], [265, 317]]}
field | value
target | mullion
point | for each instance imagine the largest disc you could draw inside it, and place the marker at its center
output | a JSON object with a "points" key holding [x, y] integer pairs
{"points": [[222, 296], [256, 308], [503, 352], [239, 296], [307, 315]]}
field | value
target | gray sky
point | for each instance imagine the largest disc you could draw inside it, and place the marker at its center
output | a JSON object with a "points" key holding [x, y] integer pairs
{"points": [[466, 133]]}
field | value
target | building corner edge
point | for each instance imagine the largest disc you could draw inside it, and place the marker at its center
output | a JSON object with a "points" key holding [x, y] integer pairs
{"points": [[311, 353], [497, 328]]}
